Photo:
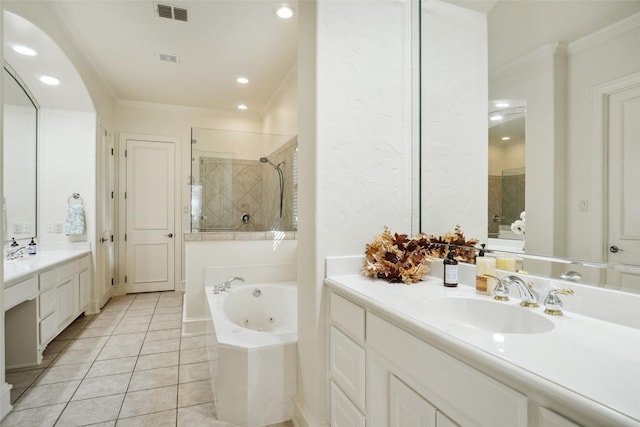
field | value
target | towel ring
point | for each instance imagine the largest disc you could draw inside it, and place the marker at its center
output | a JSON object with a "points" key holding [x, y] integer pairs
{"points": [[75, 196]]}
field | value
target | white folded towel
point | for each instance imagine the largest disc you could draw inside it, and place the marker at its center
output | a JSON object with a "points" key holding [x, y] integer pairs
{"points": [[74, 225]]}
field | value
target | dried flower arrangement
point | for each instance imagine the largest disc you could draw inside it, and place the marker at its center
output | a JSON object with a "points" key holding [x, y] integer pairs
{"points": [[396, 258], [439, 245]]}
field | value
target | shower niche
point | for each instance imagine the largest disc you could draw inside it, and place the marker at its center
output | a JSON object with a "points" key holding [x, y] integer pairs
{"points": [[243, 181]]}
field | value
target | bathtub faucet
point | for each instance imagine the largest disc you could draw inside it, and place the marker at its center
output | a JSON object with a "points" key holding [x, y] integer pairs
{"points": [[226, 284]]}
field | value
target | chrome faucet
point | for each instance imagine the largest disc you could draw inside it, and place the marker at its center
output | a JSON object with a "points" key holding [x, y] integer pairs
{"points": [[528, 297], [226, 284], [553, 304], [15, 254]]}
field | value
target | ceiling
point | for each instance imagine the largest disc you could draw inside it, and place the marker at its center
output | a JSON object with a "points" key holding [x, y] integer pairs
{"points": [[221, 40]]}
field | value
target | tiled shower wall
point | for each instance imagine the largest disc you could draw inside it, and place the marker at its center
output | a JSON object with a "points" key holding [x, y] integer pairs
{"points": [[232, 188], [506, 200]]}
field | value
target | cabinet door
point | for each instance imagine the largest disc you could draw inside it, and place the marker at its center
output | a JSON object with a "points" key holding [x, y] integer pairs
{"points": [[67, 299], [407, 408], [85, 289], [348, 366], [343, 412]]}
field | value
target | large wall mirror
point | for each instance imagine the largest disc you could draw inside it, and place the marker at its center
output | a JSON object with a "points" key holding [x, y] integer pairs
{"points": [[575, 67], [19, 205]]}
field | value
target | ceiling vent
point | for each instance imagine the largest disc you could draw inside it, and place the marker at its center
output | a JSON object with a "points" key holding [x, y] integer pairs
{"points": [[171, 12], [167, 57]]}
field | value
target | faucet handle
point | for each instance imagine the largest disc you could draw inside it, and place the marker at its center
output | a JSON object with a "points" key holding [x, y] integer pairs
{"points": [[553, 304], [500, 292]]}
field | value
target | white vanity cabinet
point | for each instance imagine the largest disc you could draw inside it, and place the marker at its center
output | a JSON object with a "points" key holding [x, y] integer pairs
{"points": [[56, 296], [383, 375]]}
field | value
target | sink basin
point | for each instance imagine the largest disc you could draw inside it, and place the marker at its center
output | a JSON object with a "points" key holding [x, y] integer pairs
{"points": [[487, 315]]}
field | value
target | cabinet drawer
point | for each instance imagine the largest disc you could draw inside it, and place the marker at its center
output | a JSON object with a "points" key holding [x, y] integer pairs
{"points": [[465, 394], [48, 279], [348, 316], [20, 292], [347, 360], [84, 263], [68, 269], [48, 329], [47, 303], [343, 411]]}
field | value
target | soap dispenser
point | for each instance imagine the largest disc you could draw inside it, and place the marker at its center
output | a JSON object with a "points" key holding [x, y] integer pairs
{"points": [[32, 247], [450, 270]]}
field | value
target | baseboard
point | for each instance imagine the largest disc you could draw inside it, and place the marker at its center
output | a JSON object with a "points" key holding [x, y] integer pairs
{"points": [[194, 326], [5, 400], [302, 417]]}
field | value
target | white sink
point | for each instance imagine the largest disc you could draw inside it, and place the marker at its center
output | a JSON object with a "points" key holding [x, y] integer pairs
{"points": [[487, 315]]}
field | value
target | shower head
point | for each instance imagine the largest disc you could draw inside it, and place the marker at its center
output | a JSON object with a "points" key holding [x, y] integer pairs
{"points": [[266, 160]]}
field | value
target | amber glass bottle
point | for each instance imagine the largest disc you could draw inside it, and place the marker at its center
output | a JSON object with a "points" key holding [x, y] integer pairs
{"points": [[450, 270]]}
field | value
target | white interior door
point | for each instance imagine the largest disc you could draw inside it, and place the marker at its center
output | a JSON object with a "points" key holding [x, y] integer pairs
{"points": [[150, 247], [106, 260], [624, 186]]}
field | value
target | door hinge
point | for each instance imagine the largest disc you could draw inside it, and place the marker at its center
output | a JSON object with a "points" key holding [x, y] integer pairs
{"points": [[112, 237], [125, 153], [125, 194], [125, 237], [112, 281], [112, 194], [112, 151], [125, 279]]}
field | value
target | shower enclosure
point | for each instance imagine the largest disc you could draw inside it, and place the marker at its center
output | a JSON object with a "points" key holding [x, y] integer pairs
{"points": [[243, 181]]}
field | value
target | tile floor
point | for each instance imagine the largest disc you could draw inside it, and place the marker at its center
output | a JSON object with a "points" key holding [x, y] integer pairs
{"points": [[126, 366]]}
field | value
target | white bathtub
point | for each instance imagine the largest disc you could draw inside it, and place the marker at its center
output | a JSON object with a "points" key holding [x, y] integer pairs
{"points": [[252, 352]]}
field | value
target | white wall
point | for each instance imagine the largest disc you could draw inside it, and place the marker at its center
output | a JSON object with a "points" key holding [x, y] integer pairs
{"points": [[281, 115], [355, 157], [67, 165], [510, 156], [593, 61], [454, 120]]}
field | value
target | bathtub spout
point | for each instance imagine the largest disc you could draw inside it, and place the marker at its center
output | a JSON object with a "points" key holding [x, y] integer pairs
{"points": [[227, 284]]}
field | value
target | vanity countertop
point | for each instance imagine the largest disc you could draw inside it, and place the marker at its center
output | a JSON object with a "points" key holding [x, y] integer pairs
{"points": [[20, 268], [588, 364]]}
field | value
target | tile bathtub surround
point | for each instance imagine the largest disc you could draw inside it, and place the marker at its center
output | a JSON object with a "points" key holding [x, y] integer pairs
{"points": [[127, 366]]}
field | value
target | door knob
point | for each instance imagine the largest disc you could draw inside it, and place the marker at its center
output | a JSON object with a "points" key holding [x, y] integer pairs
{"points": [[102, 240], [169, 235], [614, 249]]}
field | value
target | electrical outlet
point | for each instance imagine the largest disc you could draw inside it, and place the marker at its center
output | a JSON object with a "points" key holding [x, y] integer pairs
{"points": [[17, 228], [58, 227], [26, 228], [49, 228], [583, 205]]}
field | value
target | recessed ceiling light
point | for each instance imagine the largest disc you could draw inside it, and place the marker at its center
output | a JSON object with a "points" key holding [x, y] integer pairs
{"points": [[495, 117], [242, 80], [23, 50], [50, 80], [284, 12], [506, 138], [502, 105], [242, 107]]}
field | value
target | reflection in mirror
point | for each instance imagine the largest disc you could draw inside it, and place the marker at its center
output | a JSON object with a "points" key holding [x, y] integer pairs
{"points": [[243, 181], [506, 169], [20, 158], [574, 62]]}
